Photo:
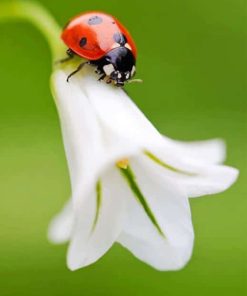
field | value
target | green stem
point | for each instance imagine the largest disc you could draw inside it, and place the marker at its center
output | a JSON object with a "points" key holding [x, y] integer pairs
{"points": [[40, 18]]}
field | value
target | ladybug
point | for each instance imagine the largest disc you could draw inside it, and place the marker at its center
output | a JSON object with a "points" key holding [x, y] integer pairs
{"points": [[105, 43]]}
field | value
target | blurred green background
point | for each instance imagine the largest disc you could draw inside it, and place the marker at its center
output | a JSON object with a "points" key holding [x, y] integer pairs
{"points": [[193, 60]]}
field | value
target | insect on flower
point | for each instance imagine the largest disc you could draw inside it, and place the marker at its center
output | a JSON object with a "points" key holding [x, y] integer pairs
{"points": [[105, 43], [130, 184]]}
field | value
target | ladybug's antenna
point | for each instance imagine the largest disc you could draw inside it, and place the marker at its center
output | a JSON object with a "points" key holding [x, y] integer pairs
{"points": [[135, 80]]}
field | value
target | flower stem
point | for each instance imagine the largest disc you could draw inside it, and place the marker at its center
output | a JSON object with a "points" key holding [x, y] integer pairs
{"points": [[40, 18]]}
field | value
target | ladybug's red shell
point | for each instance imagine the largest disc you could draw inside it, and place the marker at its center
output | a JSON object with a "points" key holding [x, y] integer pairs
{"points": [[91, 35]]}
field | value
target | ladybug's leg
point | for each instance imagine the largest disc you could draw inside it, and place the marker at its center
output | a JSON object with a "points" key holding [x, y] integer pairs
{"points": [[70, 56], [102, 77], [77, 70]]}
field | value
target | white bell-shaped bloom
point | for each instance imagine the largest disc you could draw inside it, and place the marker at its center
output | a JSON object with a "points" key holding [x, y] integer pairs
{"points": [[129, 183]]}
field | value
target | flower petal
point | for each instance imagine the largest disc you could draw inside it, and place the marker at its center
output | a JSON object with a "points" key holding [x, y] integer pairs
{"points": [[196, 177], [97, 225], [61, 226], [119, 114], [170, 208], [209, 151], [81, 132]]}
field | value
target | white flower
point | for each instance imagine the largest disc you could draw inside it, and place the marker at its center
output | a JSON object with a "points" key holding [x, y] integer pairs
{"points": [[130, 184]]}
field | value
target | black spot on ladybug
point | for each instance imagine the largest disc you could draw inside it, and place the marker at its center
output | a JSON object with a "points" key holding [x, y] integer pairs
{"points": [[83, 41], [95, 20], [113, 23], [120, 38]]}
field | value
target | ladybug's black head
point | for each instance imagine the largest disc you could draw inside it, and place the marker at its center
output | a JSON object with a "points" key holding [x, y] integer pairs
{"points": [[118, 65]]}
